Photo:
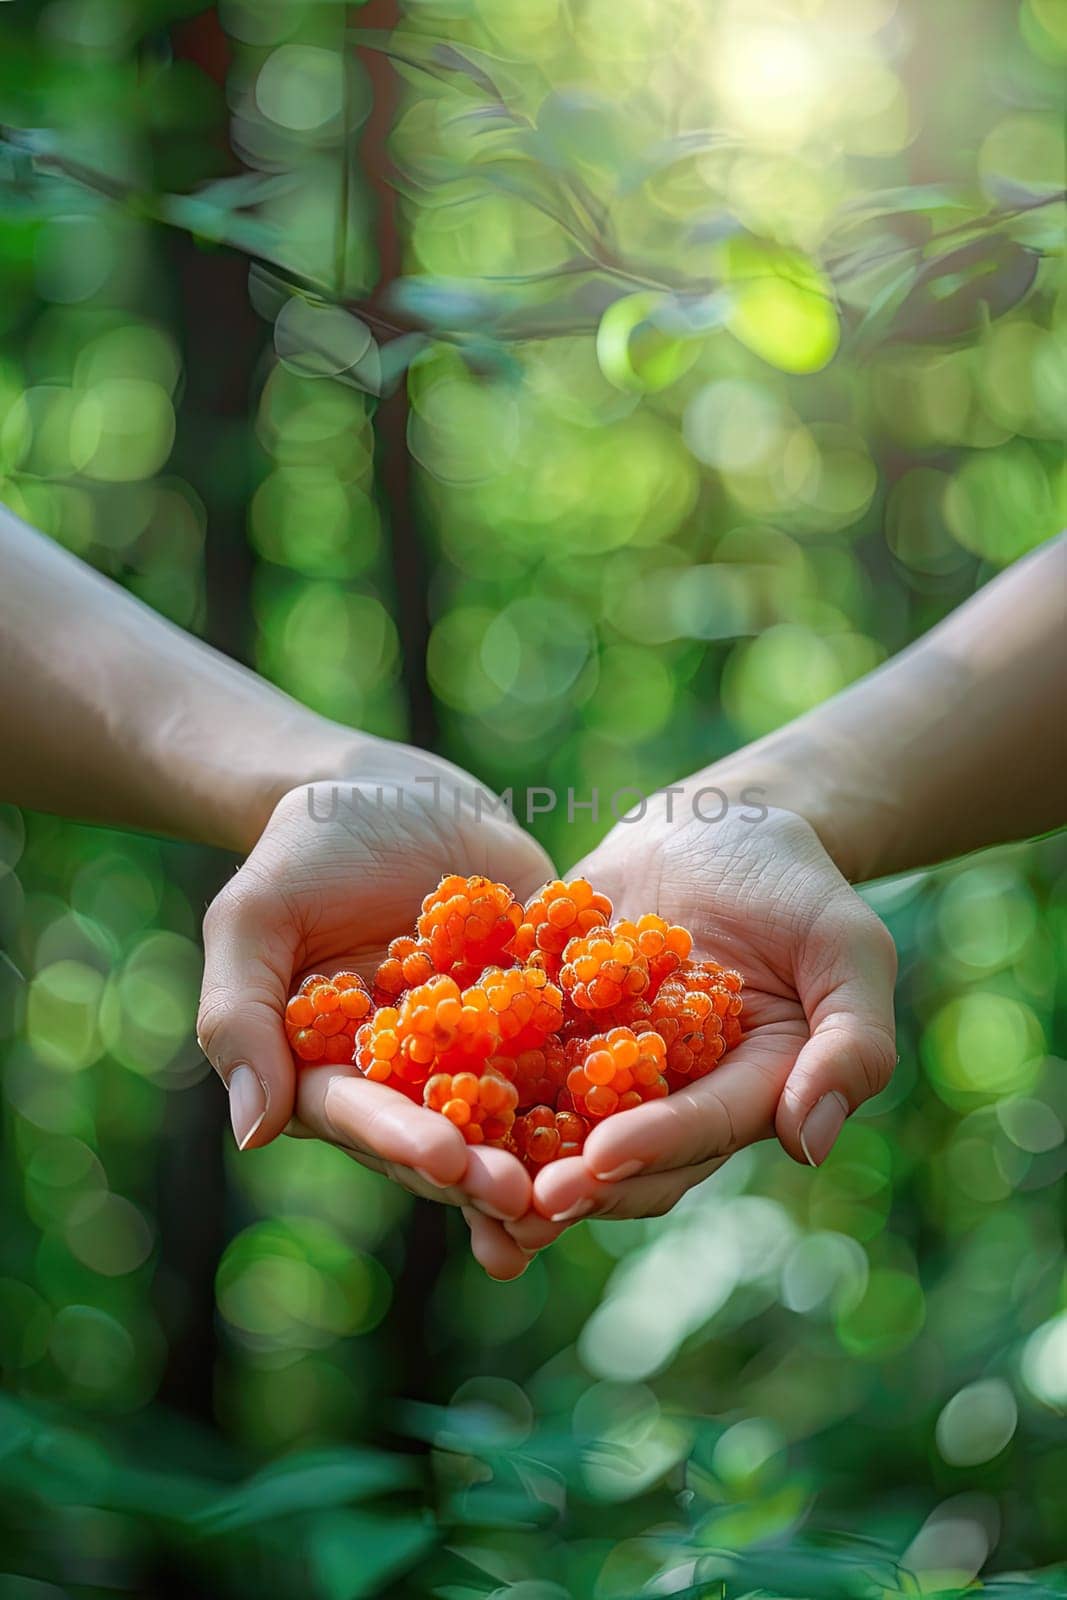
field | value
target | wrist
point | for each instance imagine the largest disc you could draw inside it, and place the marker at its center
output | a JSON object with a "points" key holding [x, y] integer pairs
{"points": [[233, 792], [824, 786], [309, 749]]}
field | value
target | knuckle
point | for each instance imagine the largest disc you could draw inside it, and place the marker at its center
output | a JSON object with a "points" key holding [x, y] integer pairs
{"points": [[332, 1123], [215, 916], [878, 940], [222, 1009], [716, 1123], [793, 830], [213, 1017], [221, 914], [879, 1060], [243, 896]]}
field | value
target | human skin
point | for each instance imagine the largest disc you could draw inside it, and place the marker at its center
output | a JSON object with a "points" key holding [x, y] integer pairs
{"points": [[319, 895], [956, 744], [113, 715]]}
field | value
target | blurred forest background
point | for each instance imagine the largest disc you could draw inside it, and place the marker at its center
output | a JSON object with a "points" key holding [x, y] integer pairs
{"points": [[584, 388]]}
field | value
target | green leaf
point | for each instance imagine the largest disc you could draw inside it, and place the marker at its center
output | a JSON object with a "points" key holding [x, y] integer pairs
{"points": [[355, 1554], [577, 128], [671, 152], [16, 1429], [636, 350], [317, 340], [240, 230], [525, 180], [983, 278], [306, 1483], [441, 59], [885, 304], [859, 1569], [914, 197], [782, 305], [1042, 228], [444, 302], [1011, 195]]}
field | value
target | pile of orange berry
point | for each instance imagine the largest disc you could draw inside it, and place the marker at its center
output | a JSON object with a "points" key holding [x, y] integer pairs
{"points": [[525, 1025]]}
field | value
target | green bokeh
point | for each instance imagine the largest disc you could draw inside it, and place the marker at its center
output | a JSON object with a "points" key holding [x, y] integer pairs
{"points": [[709, 412]]}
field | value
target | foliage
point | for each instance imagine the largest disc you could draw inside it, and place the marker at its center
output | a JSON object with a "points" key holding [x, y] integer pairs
{"points": [[733, 356]]}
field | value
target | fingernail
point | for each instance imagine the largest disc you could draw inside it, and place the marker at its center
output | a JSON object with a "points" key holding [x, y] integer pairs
{"points": [[248, 1104], [629, 1169], [580, 1208], [491, 1211], [822, 1125], [429, 1178]]}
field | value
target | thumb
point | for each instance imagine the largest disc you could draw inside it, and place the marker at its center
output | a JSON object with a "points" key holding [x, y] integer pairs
{"points": [[248, 961], [851, 1052]]}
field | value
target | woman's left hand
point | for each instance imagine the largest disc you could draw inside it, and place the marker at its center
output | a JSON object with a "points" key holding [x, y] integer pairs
{"points": [[819, 968]]}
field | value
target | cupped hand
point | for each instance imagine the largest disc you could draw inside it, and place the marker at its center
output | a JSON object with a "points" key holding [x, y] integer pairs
{"points": [[819, 969], [340, 870]]}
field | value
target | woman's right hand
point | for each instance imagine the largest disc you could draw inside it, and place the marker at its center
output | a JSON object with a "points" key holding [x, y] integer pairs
{"points": [[340, 870]]}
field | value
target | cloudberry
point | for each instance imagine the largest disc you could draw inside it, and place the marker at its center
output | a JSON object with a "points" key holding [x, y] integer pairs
{"points": [[725, 986], [602, 970], [697, 1014], [527, 1007], [468, 923], [481, 1106], [635, 1014], [525, 1027], [436, 1028], [407, 964], [557, 913], [615, 1071], [664, 946], [322, 1018], [538, 1074], [544, 1134]]}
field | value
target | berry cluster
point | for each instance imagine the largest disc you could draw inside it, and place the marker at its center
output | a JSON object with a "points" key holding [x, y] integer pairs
{"points": [[538, 1075], [322, 1018], [696, 1012], [436, 1028], [468, 924], [543, 1134], [527, 1007], [407, 965], [664, 947], [616, 1071], [481, 1107], [603, 970], [525, 1026], [558, 913]]}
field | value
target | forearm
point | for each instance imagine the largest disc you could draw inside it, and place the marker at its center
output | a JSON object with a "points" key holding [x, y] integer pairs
{"points": [[111, 714], [955, 744]]}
